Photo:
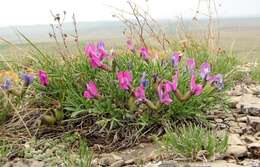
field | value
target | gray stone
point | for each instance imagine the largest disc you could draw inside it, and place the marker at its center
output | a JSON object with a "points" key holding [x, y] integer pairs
{"points": [[253, 120], [234, 139], [106, 161], [219, 120], [129, 162], [118, 163], [242, 119], [237, 151]]}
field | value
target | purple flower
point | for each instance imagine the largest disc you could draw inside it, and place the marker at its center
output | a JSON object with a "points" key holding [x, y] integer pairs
{"points": [[139, 93], [7, 83], [43, 78], [91, 90], [176, 58], [191, 65], [144, 81], [195, 88], [205, 70], [217, 81], [125, 79], [27, 78], [144, 53], [164, 90], [130, 45], [101, 45]]}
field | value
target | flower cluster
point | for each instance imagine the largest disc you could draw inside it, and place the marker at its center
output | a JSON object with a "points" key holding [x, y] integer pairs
{"points": [[164, 88], [9, 78]]}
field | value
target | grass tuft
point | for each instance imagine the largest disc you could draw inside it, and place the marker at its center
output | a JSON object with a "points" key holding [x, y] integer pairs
{"points": [[194, 142]]}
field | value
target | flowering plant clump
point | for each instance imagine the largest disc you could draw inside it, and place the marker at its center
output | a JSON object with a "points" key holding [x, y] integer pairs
{"points": [[130, 86], [165, 89]]}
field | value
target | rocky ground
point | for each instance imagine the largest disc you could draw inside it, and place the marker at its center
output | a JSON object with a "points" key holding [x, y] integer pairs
{"points": [[242, 124]]}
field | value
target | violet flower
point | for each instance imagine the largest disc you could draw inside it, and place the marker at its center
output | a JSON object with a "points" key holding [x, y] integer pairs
{"points": [[7, 83], [164, 90], [27, 78], [125, 79], [176, 58], [217, 81], [144, 81], [43, 76], [205, 70], [91, 90]]}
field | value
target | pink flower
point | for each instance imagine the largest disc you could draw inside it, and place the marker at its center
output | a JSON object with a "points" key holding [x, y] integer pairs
{"points": [[205, 70], [96, 54], [139, 93], [196, 89], [43, 78], [91, 90], [176, 58], [175, 80], [191, 65], [125, 79], [164, 90], [130, 45], [144, 53]]}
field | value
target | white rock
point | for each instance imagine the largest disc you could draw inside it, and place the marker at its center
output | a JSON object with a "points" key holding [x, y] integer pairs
{"points": [[234, 139], [237, 151]]}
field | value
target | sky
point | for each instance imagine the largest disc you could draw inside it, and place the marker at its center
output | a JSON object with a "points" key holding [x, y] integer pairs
{"points": [[31, 12]]}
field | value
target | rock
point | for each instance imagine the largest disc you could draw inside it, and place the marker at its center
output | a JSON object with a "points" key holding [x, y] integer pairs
{"points": [[37, 164], [49, 152], [116, 157], [25, 163], [237, 130], [150, 164], [254, 149], [218, 163], [237, 151], [168, 164], [257, 136], [94, 162], [257, 128], [250, 162], [118, 163], [248, 138], [253, 120], [242, 119], [234, 139], [219, 120], [247, 103], [129, 162], [151, 157], [106, 161]]}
